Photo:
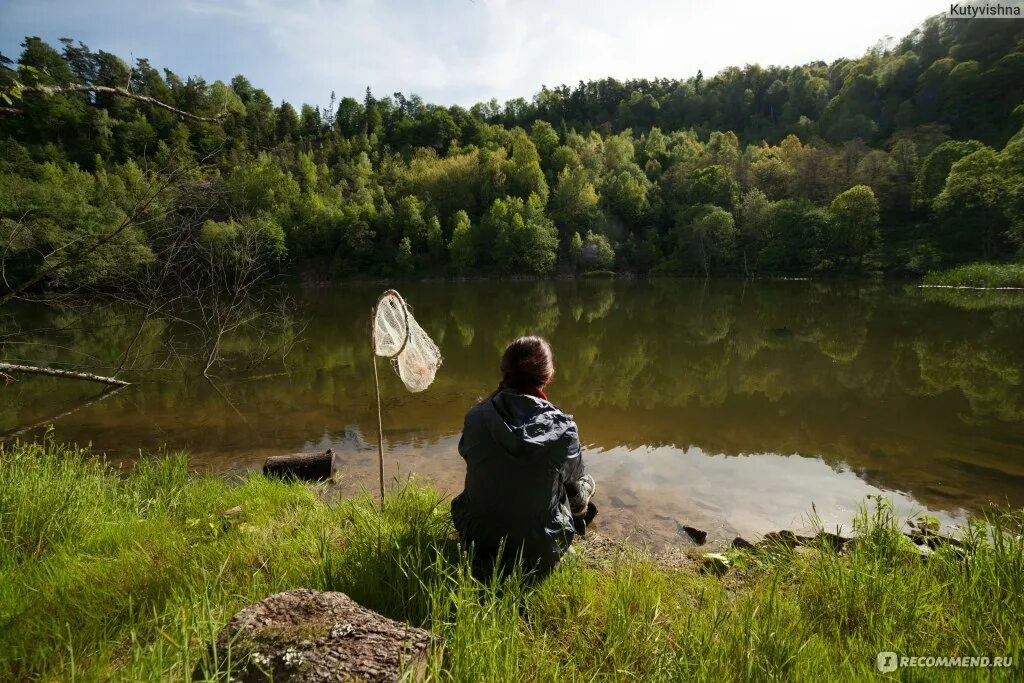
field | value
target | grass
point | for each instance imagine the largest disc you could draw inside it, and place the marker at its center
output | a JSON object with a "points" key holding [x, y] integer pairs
{"points": [[128, 576], [976, 299], [988, 275], [599, 274]]}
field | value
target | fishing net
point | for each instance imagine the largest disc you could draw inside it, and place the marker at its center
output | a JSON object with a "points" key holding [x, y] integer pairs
{"points": [[397, 335]]}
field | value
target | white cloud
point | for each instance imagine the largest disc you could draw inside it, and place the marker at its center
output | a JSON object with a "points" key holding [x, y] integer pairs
{"points": [[464, 51]]}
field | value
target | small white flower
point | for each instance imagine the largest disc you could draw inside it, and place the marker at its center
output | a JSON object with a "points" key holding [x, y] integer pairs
{"points": [[341, 630], [293, 657]]}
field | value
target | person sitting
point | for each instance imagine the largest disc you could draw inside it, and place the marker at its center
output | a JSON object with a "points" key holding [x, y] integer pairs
{"points": [[522, 455]]}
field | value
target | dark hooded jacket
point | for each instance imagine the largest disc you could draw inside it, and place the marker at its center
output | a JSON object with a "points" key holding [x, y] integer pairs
{"points": [[520, 450]]}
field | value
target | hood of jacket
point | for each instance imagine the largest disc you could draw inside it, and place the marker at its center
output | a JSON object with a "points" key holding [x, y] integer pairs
{"points": [[522, 424]]}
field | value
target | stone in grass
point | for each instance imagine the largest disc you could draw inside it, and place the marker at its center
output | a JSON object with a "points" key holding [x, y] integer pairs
{"points": [[934, 539], [779, 539], [698, 536], [741, 543], [834, 540], [306, 635], [715, 563]]}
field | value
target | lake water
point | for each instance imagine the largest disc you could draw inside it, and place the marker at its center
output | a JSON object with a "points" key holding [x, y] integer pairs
{"points": [[729, 405]]}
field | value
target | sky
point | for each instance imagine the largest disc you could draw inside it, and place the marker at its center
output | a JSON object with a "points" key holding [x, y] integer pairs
{"points": [[458, 51]]}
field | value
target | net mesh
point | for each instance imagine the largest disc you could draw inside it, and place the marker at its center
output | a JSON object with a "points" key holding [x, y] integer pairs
{"points": [[397, 335], [390, 325]]}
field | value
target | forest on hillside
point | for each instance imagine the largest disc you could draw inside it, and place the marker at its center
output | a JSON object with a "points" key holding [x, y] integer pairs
{"points": [[908, 158]]}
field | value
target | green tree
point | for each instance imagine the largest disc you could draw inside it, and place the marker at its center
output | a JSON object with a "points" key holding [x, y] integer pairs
{"points": [[630, 160], [350, 119], [575, 203], [712, 185], [410, 222], [932, 176], [404, 261], [972, 206], [525, 176], [854, 227], [709, 233], [435, 240], [1012, 158], [794, 236], [878, 171], [258, 239], [595, 252], [773, 176], [752, 214], [576, 251], [461, 247], [545, 140], [263, 186], [286, 124], [526, 239]]}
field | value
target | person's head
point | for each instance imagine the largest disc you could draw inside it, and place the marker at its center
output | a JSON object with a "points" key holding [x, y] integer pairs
{"points": [[527, 364]]}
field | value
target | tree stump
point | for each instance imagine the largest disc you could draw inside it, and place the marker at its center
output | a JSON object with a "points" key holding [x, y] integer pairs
{"points": [[305, 466], [307, 635]]}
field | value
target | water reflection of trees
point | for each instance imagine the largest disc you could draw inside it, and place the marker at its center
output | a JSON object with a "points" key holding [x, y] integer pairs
{"points": [[897, 386]]}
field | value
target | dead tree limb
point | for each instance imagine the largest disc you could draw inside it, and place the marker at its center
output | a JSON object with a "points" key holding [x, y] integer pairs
{"points": [[110, 90], [70, 374]]}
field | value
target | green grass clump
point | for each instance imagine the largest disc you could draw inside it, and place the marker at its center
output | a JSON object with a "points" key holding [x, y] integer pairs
{"points": [[978, 275], [128, 576], [599, 274], [976, 299]]}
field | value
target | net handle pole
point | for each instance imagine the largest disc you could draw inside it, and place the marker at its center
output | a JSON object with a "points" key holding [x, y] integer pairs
{"points": [[376, 379], [380, 432]]}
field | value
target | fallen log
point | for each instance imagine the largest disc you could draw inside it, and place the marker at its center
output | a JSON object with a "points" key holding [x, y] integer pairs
{"points": [[305, 466], [308, 635], [55, 372]]}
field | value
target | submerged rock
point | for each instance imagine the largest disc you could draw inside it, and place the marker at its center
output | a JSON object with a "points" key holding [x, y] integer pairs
{"points": [[307, 635]]}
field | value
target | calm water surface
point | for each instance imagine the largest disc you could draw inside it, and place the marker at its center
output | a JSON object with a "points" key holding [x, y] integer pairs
{"points": [[728, 405]]}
